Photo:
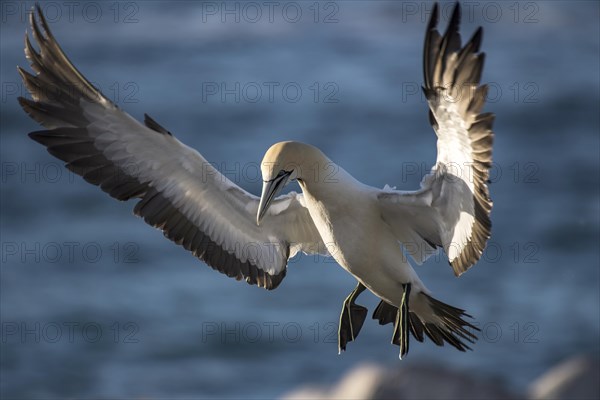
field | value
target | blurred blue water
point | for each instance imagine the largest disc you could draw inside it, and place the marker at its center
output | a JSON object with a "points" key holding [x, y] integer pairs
{"points": [[76, 263]]}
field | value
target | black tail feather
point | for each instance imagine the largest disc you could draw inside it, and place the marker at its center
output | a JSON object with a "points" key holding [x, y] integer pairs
{"points": [[385, 313], [453, 327], [416, 327]]}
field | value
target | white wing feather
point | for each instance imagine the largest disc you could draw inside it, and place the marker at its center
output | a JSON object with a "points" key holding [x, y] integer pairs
{"points": [[179, 191], [452, 208]]}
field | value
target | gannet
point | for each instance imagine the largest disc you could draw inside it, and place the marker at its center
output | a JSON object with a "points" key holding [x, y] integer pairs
{"points": [[371, 233]]}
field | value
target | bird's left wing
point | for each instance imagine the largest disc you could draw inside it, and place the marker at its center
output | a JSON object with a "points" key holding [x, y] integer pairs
{"points": [[452, 209], [179, 191]]}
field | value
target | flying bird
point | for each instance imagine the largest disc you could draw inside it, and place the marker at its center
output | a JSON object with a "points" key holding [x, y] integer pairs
{"points": [[372, 233]]}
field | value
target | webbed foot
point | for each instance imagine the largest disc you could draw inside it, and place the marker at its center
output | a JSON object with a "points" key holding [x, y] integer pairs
{"points": [[351, 319]]}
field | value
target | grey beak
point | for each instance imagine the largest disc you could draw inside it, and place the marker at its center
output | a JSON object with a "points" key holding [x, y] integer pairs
{"points": [[270, 189]]}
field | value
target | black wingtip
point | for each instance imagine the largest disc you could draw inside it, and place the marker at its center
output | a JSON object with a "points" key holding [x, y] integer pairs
{"points": [[36, 136], [476, 39], [430, 43], [33, 24], [22, 100], [454, 23], [37, 9], [21, 71], [155, 126], [44, 23], [434, 18]]}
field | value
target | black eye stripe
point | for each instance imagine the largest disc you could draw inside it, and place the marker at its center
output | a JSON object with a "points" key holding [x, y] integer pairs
{"points": [[281, 174]]}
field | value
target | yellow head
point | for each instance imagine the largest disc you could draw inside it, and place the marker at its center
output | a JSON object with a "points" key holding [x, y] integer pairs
{"points": [[282, 163]]}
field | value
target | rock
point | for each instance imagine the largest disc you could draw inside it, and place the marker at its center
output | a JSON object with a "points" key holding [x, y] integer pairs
{"points": [[306, 393], [360, 383], [576, 378], [430, 382], [368, 381]]}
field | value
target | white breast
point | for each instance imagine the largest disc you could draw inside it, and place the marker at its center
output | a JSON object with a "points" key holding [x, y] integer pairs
{"points": [[347, 218]]}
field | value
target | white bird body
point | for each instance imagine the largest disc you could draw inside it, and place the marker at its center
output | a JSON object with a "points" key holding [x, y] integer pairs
{"points": [[347, 215], [352, 227], [371, 233]]}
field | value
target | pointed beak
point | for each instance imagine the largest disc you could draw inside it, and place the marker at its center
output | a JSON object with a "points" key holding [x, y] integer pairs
{"points": [[269, 191]]}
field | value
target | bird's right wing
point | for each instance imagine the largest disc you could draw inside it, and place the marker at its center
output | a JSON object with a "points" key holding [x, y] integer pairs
{"points": [[179, 191], [452, 208]]}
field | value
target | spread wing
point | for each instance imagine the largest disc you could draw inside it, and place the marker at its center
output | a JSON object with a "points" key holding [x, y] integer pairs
{"points": [[452, 208], [179, 192]]}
